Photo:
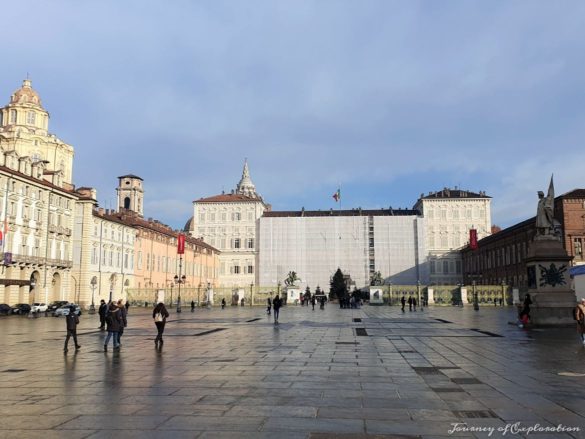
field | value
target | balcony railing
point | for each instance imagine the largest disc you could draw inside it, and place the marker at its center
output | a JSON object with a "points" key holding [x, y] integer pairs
{"points": [[60, 230], [37, 260]]}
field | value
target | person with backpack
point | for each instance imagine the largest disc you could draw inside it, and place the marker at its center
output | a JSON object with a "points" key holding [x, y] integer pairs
{"points": [[113, 323], [160, 315], [579, 315], [72, 321], [276, 304]]}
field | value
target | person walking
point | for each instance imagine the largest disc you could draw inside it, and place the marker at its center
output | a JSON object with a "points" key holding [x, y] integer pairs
{"points": [[322, 303], [313, 302], [72, 321], [276, 303], [192, 306], [580, 317], [403, 302], [414, 303], [223, 303], [123, 320], [103, 309], [268, 305], [526, 309], [113, 322], [127, 305], [409, 303], [160, 315]]}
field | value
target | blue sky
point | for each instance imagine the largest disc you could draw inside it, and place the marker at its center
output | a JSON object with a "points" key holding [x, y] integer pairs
{"points": [[391, 99]]}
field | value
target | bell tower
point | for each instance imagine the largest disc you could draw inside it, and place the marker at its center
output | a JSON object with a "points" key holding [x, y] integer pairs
{"points": [[130, 194]]}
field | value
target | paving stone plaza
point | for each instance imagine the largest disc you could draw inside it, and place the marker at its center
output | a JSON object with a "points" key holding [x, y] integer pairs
{"points": [[370, 372]]}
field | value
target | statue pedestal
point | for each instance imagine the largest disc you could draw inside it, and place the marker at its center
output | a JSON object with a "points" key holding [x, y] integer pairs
{"points": [[292, 295], [547, 264], [376, 296]]}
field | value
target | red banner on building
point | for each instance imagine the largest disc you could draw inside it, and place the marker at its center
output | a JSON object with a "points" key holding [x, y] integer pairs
{"points": [[473, 239], [181, 244]]}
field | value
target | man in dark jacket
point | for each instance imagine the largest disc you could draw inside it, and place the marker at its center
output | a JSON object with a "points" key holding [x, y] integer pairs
{"points": [[124, 322], [276, 304], [113, 321], [103, 309], [72, 321]]}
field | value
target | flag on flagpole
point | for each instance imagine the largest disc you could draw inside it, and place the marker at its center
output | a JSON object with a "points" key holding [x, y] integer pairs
{"points": [[337, 195]]}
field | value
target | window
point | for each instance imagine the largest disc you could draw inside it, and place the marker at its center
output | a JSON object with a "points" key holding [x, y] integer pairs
{"points": [[212, 217], [30, 117], [250, 243], [444, 214], [250, 269], [236, 243], [126, 260], [458, 267], [236, 216], [94, 256], [140, 260], [432, 267], [224, 216], [235, 269], [445, 266], [250, 216], [12, 116], [201, 217], [455, 214]]}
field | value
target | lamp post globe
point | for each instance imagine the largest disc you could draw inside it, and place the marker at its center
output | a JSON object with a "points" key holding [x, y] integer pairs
{"points": [[92, 285]]}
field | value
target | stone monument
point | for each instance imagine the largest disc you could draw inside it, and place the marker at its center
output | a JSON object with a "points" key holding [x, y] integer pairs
{"points": [[547, 265]]}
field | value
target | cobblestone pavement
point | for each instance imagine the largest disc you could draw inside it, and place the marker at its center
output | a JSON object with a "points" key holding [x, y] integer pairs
{"points": [[372, 372]]}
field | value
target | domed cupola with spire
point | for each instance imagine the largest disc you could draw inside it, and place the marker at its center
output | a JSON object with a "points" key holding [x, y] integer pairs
{"points": [[245, 186], [24, 129], [26, 95]]}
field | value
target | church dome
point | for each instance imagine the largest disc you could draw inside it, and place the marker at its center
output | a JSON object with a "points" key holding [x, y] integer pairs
{"points": [[26, 95]]}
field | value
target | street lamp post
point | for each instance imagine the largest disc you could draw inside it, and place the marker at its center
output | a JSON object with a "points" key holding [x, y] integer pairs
{"points": [[111, 291], [92, 285], [172, 285], [390, 294], [199, 294], [179, 281], [420, 304], [475, 301], [503, 292]]}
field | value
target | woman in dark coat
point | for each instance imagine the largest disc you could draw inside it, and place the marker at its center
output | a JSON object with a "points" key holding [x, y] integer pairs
{"points": [[113, 322], [160, 315]]}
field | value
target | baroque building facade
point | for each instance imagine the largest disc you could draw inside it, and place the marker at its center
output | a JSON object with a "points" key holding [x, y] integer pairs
{"points": [[103, 256], [229, 223], [24, 128], [449, 215], [37, 203]]}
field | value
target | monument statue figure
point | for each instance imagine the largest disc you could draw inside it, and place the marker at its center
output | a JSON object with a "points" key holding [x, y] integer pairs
{"points": [[545, 211]]}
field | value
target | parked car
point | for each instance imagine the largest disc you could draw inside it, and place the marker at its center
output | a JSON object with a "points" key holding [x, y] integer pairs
{"points": [[21, 308], [39, 307], [5, 309], [57, 304], [66, 309]]}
